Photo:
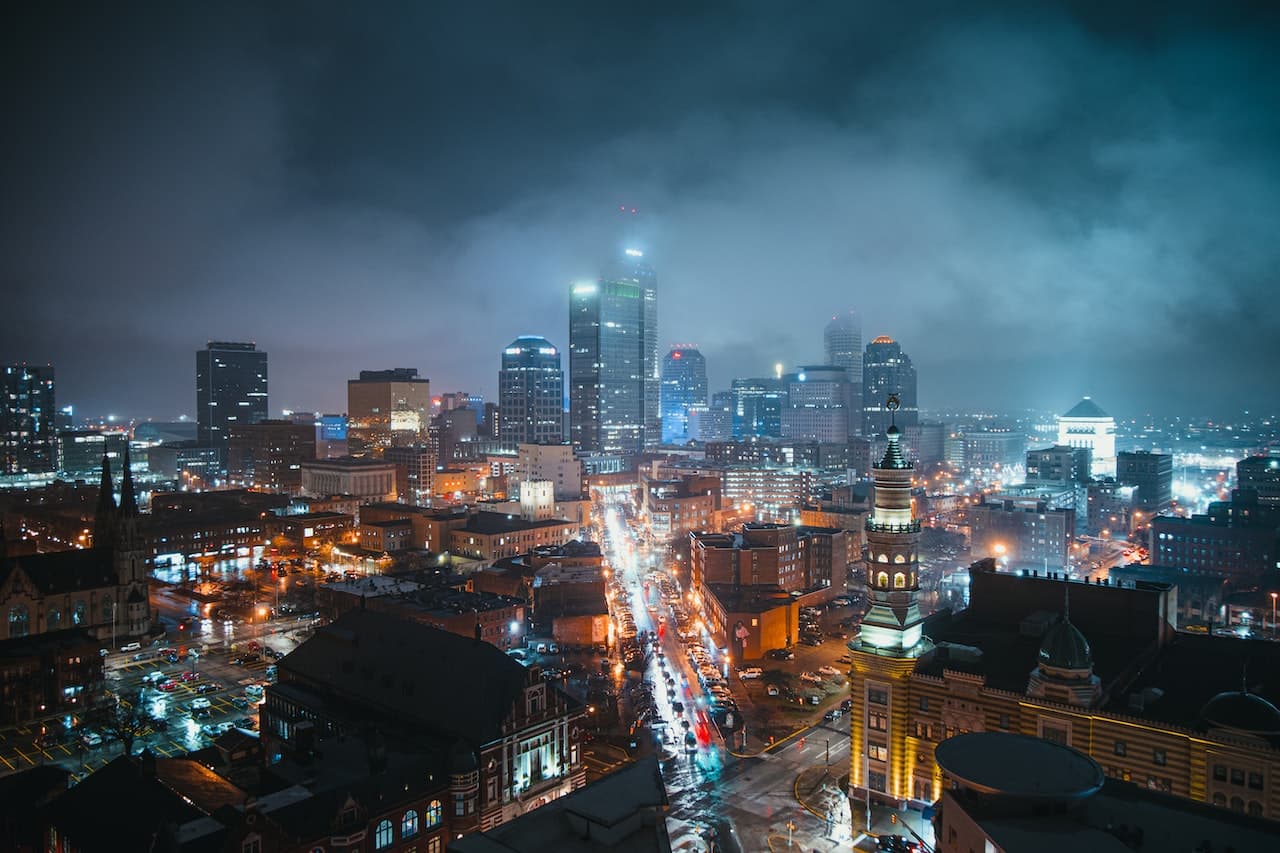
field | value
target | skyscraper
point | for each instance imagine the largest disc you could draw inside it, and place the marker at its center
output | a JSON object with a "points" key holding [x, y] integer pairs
{"points": [[231, 388], [887, 370], [27, 438], [613, 359], [530, 392], [817, 404], [757, 407], [842, 341], [387, 408], [684, 386]]}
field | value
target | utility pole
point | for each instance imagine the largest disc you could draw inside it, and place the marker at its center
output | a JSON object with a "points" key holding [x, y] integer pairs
{"points": [[828, 752]]}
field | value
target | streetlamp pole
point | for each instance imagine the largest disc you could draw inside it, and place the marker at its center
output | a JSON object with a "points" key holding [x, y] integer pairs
{"points": [[1273, 615]]}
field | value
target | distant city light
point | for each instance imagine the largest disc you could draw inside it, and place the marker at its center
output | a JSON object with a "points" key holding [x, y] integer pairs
{"points": [[579, 289], [635, 253]]}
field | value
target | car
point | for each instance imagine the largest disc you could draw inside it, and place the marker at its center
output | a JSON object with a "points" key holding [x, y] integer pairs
{"points": [[846, 705], [772, 690], [208, 687], [844, 659], [830, 671], [253, 691], [199, 702], [810, 640], [780, 654], [190, 676], [247, 723], [750, 672], [90, 738], [153, 677], [168, 685], [131, 647], [214, 730], [833, 714], [201, 713], [896, 844], [841, 601], [239, 702], [810, 678]]}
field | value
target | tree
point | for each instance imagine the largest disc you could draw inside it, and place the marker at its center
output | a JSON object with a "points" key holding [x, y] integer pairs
{"points": [[123, 717]]}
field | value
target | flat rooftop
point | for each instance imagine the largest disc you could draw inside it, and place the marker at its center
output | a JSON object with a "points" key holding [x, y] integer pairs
{"points": [[1018, 766]]}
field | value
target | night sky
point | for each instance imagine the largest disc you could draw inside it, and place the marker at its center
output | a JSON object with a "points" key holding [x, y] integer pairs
{"points": [[1039, 204]]}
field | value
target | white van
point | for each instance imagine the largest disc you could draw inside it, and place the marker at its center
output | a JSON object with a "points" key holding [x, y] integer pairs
{"points": [[131, 647]]}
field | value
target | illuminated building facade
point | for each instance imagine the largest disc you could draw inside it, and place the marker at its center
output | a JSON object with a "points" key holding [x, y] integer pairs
{"points": [[1151, 474], [684, 386], [613, 360], [766, 491], [530, 393], [887, 370], [231, 388], [387, 408], [757, 407], [817, 404], [1087, 425], [27, 440], [269, 455]]}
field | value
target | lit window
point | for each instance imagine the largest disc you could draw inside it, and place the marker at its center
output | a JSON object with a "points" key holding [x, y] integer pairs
{"points": [[409, 825], [382, 835]]}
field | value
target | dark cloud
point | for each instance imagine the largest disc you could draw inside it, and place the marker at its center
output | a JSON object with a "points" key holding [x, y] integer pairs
{"points": [[1037, 203]]}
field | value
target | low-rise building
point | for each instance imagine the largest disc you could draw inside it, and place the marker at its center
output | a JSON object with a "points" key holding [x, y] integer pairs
{"points": [[367, 479], [313, 529], [1240, 539], [491, 536], [1026, 531], [386, 536]]}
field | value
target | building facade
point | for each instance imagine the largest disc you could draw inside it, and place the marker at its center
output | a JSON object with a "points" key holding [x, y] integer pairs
{"points": [[842, 342], [817, 404], [269, 455], [887, 370], [362, 478], [684, 387], [387, 408], [756, 409], [530, 393], [613, 359], [27, 414], [1087, 425], [1151, 474], [231, 389]]}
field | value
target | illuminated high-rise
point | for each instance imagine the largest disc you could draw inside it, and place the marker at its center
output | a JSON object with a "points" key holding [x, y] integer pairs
{"points": [[27, 438], [817, 404], [387, 408], [613, 359], [887, 370], [757, 407], [530, 393], [231, 389], [684, 386], [842, 341]]}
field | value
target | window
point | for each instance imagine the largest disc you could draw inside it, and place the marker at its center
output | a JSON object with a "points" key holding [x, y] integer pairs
{"points": [[1255, 781], [434, 814], [875, 781], [1255, 808], [1237, 804], [924, 703], [382, 835], [877, 752], [1121, 748], [878, 721], [77, 615], [1237, 776], [1219, 773], [19, 620], [252, 844], [1158, 757], [434, 846], [877, 696], [1004, 722], [55, 617], [409, 824], [899, 579]]}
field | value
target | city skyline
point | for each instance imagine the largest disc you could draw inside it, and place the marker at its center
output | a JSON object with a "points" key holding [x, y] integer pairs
{"points": [[1088, 192]]}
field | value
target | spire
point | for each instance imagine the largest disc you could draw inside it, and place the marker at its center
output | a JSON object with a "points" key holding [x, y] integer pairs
{"points": [[128, 503], [893, 457], [104, 516]]}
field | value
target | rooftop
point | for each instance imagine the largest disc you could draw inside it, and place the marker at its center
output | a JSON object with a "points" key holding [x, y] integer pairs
{"points": [[1086, 408], [1018, 766], [491, 523]]}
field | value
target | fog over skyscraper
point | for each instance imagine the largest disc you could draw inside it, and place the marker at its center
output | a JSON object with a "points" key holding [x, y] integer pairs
{"points": [[842, 342], [684, 386], [613, 359]]}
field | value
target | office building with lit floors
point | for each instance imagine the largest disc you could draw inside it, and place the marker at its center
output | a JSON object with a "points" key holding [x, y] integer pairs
{"points": [[684, 387], [530, 393], [887, 370], [231, 389], [513, 741], [27, 428], [1094, 666]]}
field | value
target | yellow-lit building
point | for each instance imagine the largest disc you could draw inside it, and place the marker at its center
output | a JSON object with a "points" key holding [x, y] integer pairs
{"points": [[1098, 667]]}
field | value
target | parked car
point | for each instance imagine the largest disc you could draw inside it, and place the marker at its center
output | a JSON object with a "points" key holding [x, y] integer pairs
{"points": [[208, 687], [90, 738], [780, 654], [190, 676], [240, 702], [168, 685], [199, 702], [750, 672], [772, 690], [131, 647], [833, 714]]}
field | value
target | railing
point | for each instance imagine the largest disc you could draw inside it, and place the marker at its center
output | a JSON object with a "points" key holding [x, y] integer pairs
{"points": [[882, 527]]}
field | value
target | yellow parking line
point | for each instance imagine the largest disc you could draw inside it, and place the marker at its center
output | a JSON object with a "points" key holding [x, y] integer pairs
{"points": [[8, 763]]}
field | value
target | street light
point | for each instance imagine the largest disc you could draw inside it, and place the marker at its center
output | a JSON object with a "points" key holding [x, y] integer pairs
{"points": [[791, 825], [1273, 614]]}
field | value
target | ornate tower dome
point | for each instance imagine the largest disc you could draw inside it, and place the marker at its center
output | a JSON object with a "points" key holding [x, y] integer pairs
{"points": [[1064, 647], [1064, 665], [1242, 712]]}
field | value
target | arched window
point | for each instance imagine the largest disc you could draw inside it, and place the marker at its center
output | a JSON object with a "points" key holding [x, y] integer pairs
{"points": [[1255, 808], [77, 615], [1237, 804], [883, 558], [19, 621], [899, 580], [382, 835], [882, 579], [435, 812], [409, 824], [898, 558], [913, 578], [55, 619]]}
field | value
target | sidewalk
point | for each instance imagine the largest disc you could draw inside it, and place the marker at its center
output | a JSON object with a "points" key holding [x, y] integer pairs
{"points": [[818, 790]]}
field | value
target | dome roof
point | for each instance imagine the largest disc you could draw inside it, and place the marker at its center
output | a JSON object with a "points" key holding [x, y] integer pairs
{"points": [[1064, 647], [1245, 712], [882, 339]]}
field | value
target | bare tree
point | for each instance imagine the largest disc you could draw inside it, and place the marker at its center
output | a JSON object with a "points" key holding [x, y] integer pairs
{"points": [[124, 717]]}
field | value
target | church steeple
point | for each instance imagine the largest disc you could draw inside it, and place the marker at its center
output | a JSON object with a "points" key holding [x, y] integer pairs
{"points": [[128, 503], [104, 517]]}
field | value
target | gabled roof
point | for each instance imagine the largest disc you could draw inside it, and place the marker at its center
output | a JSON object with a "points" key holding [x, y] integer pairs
{"points": [[1086, 408], [450, 685]]}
